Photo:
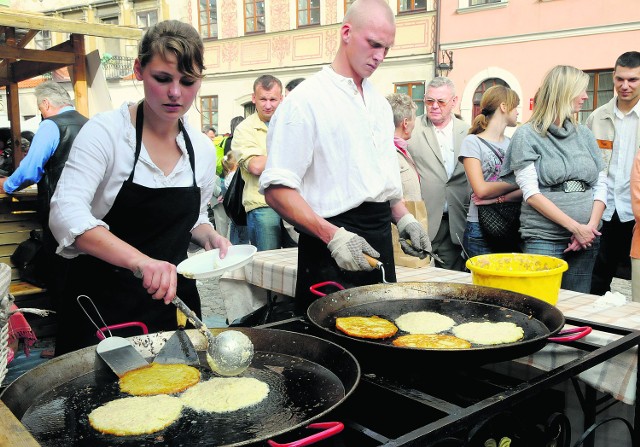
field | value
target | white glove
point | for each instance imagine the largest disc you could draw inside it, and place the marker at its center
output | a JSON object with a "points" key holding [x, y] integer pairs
{"points": [[347, 248], [411, 231]]}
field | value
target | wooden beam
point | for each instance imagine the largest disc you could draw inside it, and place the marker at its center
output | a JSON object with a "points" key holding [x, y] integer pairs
{"points": [[36, 55], [33, 21], [27, 38], [80, 75], [21, 70]]}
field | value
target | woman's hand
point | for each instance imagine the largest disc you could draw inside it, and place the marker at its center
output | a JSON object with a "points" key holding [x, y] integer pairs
{"points": [[216, 240], [584, 235], [208, 238], [159, 278]]}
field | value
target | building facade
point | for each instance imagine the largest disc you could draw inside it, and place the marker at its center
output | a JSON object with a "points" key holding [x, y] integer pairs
{"points": [[245, 39], [515, 42]]}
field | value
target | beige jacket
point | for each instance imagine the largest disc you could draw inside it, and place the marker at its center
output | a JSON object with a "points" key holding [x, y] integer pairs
{"points": [[250, 140]]}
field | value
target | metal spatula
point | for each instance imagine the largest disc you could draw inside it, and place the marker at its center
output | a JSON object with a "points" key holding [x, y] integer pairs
{"points": [[117, 352], [179, 348]]}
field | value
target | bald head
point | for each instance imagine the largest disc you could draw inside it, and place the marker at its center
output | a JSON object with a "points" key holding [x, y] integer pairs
{"points": [[361, 10]]}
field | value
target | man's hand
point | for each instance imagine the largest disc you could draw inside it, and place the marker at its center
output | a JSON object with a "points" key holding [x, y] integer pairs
{"points": [[411, 231], [347, 249]]}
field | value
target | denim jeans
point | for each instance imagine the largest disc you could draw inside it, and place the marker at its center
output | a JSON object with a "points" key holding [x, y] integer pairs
{"points": [[238, 234], [473, 241], [581, 263], [264, 228]]}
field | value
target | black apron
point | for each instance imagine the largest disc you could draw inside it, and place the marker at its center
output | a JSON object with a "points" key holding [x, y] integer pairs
{"points": [[156, 221], [370, 220]]}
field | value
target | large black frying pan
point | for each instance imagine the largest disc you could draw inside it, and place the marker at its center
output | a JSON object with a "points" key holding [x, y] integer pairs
{"points": [[308, 377], [464, 303]]}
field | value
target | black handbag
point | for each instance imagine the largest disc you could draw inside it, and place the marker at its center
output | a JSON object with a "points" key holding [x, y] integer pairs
{"points": [[29, 259], [500, 222], [232, 201]]}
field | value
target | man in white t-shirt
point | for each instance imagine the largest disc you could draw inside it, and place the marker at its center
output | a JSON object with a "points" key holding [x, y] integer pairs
{"points": [[332, 170], [616, 126]]}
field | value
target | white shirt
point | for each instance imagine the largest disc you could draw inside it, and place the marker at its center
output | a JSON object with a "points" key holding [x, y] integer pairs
{"points": [[445, 140], [624, 150], [333, 146], [101, 159]]}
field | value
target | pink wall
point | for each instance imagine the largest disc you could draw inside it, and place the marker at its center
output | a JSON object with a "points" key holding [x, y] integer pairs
{"points": [[532, 16], [527, 62]]}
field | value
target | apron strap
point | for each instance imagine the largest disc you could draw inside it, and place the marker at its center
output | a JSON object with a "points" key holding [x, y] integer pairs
{"points": [[187, 142]]}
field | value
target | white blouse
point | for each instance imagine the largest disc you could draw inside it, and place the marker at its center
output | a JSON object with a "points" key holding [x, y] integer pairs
{"points": [[333, 146], [100, 161]]}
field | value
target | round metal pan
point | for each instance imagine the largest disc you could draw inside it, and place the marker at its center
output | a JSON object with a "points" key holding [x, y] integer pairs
{"points": [[464, 303], [307, 376]]}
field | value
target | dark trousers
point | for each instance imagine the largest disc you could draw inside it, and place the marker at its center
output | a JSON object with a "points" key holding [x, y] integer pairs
{"points": [[615, 245]]}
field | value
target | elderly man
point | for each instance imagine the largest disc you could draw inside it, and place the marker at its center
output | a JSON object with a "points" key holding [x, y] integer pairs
{"points": [[435, 146], [46, 157], [332, 169], [250, 140]]}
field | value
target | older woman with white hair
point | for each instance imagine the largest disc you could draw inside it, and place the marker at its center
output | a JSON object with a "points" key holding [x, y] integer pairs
{"points": [[404, 120], [559, 169]]}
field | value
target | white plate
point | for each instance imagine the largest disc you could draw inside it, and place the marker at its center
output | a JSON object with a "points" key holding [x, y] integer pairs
{"points": [[209, 265]]}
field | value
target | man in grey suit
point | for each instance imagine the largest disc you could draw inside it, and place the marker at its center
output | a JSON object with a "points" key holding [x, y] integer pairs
{"points": [[434, 146]]}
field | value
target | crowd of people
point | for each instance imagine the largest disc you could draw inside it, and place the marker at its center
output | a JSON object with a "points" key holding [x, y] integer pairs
{"points": [[149, 179]]}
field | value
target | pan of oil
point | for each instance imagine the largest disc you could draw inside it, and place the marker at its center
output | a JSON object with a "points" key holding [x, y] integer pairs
{"points": [[307, 377]]}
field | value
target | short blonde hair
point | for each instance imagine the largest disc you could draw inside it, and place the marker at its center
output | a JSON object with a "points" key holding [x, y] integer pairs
{"points": [[402, 106], [554, 99]]}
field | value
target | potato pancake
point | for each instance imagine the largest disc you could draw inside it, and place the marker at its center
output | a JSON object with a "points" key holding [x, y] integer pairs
{"points": [[139, 415], [159, 378], [225, 394], [431, 341], [366, 327], [488, 333], [424, 322]]}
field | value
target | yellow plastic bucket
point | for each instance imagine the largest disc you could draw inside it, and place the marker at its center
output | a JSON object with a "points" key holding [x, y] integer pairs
{"points": [[539, 276]]}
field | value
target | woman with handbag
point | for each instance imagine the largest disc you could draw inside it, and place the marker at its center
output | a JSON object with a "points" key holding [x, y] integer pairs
{"points": [[134, 194], [560, 171], [493, 219]]}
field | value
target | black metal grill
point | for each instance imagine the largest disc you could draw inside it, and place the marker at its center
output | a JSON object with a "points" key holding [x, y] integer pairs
{"points": [[432, 405]]}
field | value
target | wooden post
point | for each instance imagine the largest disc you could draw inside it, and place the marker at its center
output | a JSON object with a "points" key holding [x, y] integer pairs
{"points": [[13, 104], [13, 113], [80, 75]]}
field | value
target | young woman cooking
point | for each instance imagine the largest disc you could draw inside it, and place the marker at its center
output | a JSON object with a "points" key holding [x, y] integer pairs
{"points": [[133, 195]]}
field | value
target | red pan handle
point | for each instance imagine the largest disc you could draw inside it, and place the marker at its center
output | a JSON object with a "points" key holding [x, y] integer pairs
{"points": [[140, 324], [330, 429], [580, 332], [314, 287]]}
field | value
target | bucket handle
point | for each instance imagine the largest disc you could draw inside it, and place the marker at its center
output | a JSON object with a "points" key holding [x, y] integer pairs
{"points": [[580, 332], [315, 291], [329, 429]]}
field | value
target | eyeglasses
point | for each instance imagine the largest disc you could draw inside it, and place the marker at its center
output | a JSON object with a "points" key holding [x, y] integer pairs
{"points": [[441, 102]]}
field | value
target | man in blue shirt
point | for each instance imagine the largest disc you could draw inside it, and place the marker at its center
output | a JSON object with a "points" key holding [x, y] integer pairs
{"points": [[47, 155]]}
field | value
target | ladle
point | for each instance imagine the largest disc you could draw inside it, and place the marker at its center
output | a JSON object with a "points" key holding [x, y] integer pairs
{"points": [[229, 353]]}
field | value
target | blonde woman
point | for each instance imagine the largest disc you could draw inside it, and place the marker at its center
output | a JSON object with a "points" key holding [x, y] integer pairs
{"points": [[559, 169], [482, 153]]}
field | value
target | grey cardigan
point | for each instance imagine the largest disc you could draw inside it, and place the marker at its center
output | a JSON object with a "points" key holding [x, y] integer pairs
{"points": [[565, 153]]}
